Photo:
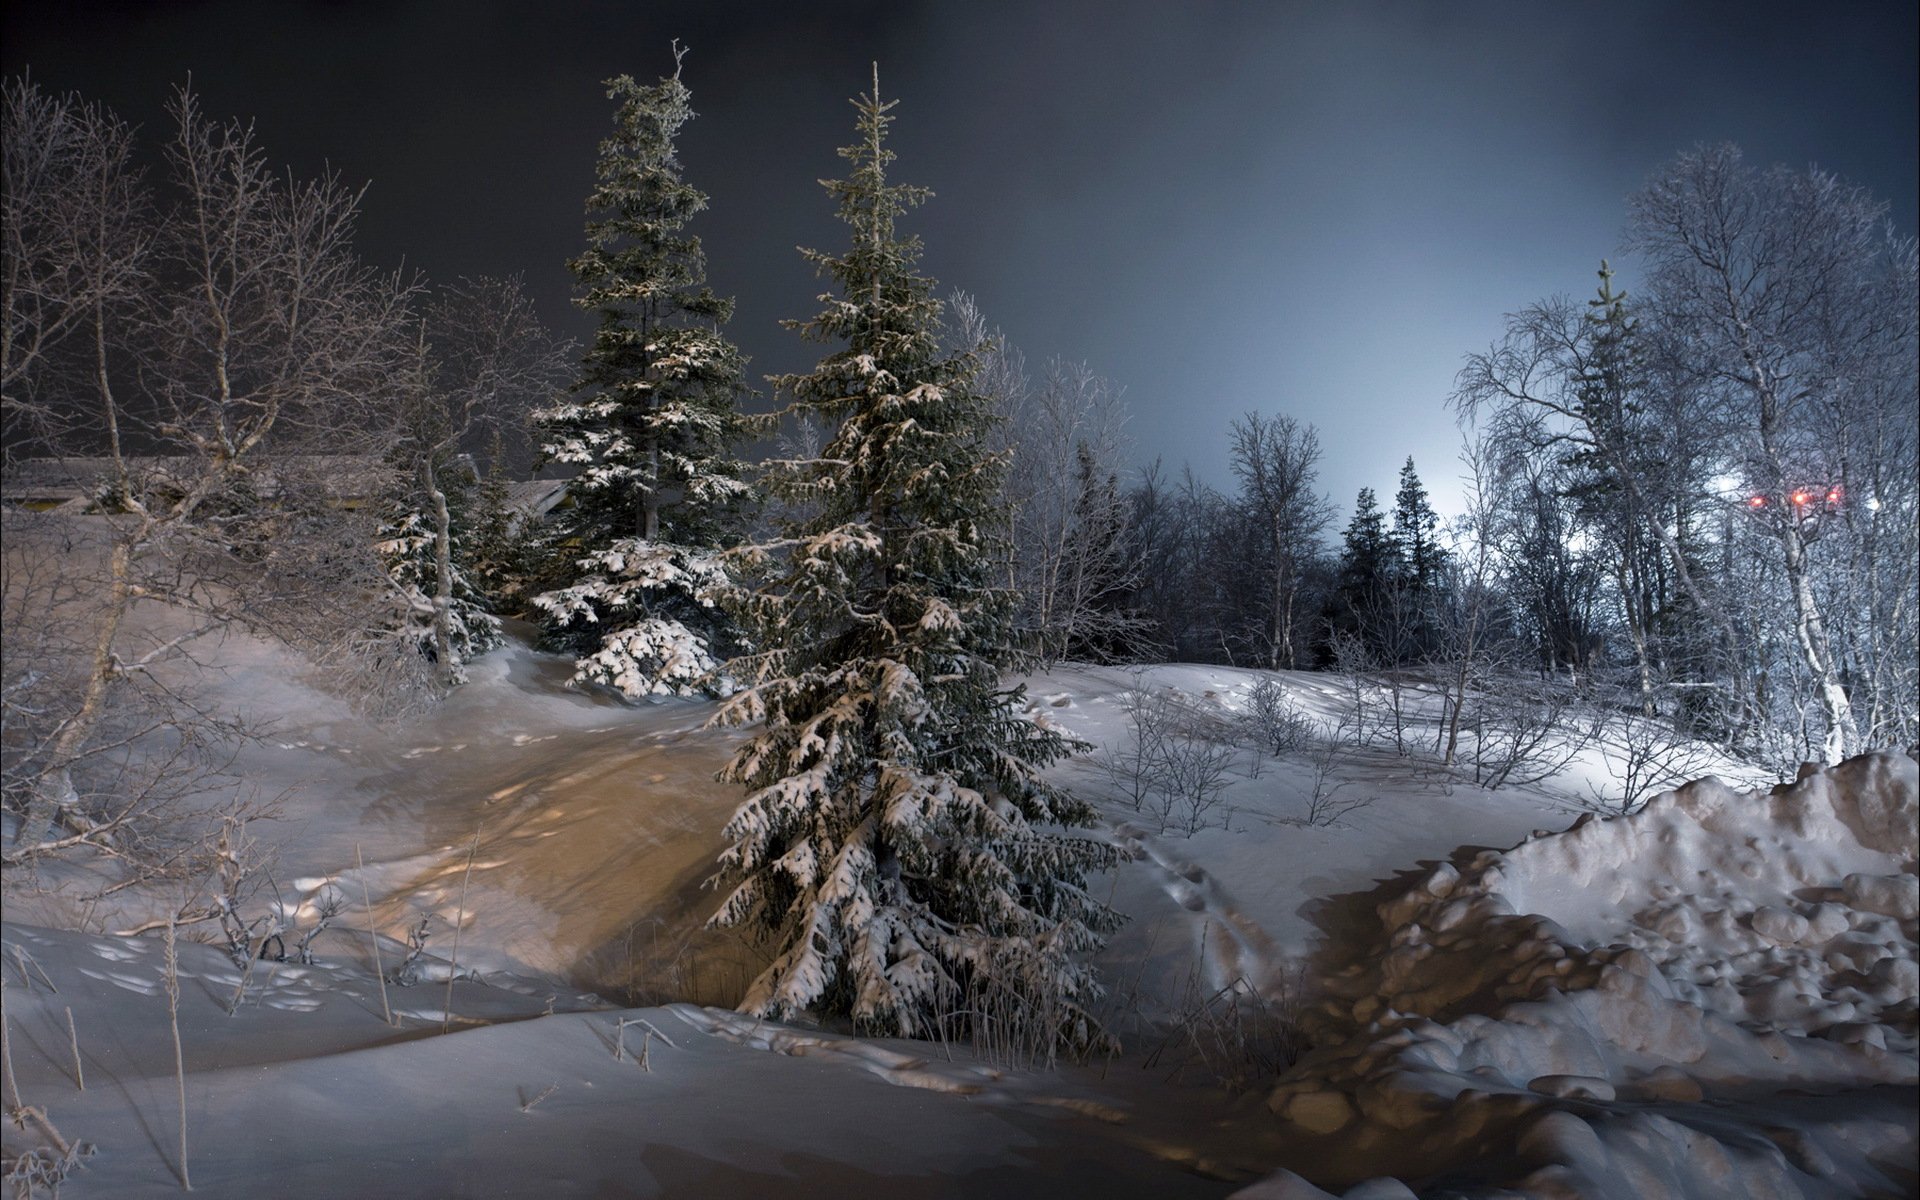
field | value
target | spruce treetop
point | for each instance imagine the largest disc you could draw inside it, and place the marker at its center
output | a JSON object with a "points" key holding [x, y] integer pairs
{"points": [[638, 265], [1416, 530]]}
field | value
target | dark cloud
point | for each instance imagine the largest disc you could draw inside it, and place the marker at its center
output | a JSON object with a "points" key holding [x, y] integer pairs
{"points": [[1310, 208]]}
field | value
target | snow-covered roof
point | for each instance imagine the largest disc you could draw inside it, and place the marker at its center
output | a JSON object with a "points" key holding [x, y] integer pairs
{"points": [[535, 497]]}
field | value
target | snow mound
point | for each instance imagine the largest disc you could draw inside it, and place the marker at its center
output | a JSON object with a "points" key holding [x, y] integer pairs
{"points": [[1714, 996], [1792, 911]]}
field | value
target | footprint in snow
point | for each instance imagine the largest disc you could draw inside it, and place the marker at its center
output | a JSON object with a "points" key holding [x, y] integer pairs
{"points": [[1186, 895]]}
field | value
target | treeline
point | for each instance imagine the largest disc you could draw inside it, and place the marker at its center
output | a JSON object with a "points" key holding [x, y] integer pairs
{"points": [[1696, 503]]}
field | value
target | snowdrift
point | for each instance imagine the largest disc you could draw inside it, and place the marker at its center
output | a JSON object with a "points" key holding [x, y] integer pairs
{"points": [[1714, 996]]}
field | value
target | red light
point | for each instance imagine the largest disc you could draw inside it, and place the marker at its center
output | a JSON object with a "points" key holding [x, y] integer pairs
{"points": [[1756, 501], [1833, 495], [1801, 497]]}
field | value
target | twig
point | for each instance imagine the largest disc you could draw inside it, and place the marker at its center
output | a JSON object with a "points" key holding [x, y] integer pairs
{"points": [[550, 1089], [6, 1052], [453, 967], [655, 1030], [73, 1038], [26, 960], [366, 902], [179, 1060], [246, 973]]}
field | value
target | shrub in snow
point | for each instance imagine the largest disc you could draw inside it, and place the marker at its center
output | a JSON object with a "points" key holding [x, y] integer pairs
{"points": [[1642, 755], [1328, 799], [1274, 720], [1233, 1034], [651, 422], [645, 621], [897, 843], [1174, 763]]}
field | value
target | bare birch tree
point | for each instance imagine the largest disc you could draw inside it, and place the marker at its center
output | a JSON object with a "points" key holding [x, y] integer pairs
{"points": [[1064, 438], [1277, 460], [234, 326], [1788, 298]]}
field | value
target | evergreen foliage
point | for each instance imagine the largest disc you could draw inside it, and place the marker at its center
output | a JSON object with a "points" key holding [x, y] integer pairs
{"points": [[1370, 567], [651, 422], [1370, 557], [498, 544], [897, 844], [1416, 533]]}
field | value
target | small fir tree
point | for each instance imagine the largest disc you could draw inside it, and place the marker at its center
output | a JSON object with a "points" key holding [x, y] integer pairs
{"points": [[496, 545], [651, 421], [897, 843]]}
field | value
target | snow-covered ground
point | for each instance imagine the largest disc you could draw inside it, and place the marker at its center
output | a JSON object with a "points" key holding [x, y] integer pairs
{"points": [[1714, 997]]}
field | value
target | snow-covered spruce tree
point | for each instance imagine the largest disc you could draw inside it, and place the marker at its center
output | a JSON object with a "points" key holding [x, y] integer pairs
{"points": [[897, 844], [650, 423]]}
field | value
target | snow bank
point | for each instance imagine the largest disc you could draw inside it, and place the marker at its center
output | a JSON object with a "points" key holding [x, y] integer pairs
{"points": [[1713, 997]]}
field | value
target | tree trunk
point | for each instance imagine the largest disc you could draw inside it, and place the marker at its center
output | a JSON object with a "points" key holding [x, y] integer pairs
{"points": [[53, 794], [650, 503], [1811, 634], [442, 575]]}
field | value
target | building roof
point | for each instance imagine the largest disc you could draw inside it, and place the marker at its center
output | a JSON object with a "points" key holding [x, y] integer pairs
{"points": [[345, 478], [535, 497], [37, 481]]}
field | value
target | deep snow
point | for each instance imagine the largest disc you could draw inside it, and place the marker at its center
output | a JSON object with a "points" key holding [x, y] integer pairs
{"points": [[1713, 997]]}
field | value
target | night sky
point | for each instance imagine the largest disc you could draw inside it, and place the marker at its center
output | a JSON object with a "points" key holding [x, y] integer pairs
{"points": [[1309, 208]]}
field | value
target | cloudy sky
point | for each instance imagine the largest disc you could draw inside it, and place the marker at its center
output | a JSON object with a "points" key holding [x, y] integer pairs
{"points": [[1310, 208]]}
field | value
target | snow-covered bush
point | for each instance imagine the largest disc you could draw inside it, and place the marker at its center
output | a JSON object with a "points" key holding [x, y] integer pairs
{"points": [[1274, 720], [644, 619]]}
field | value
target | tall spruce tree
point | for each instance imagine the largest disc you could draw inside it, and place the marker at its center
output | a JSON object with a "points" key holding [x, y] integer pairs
{"points": [[651, 422], [1416, 532], [1611, 381], [1369, 573], [897, 843], [1369, 558]]}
